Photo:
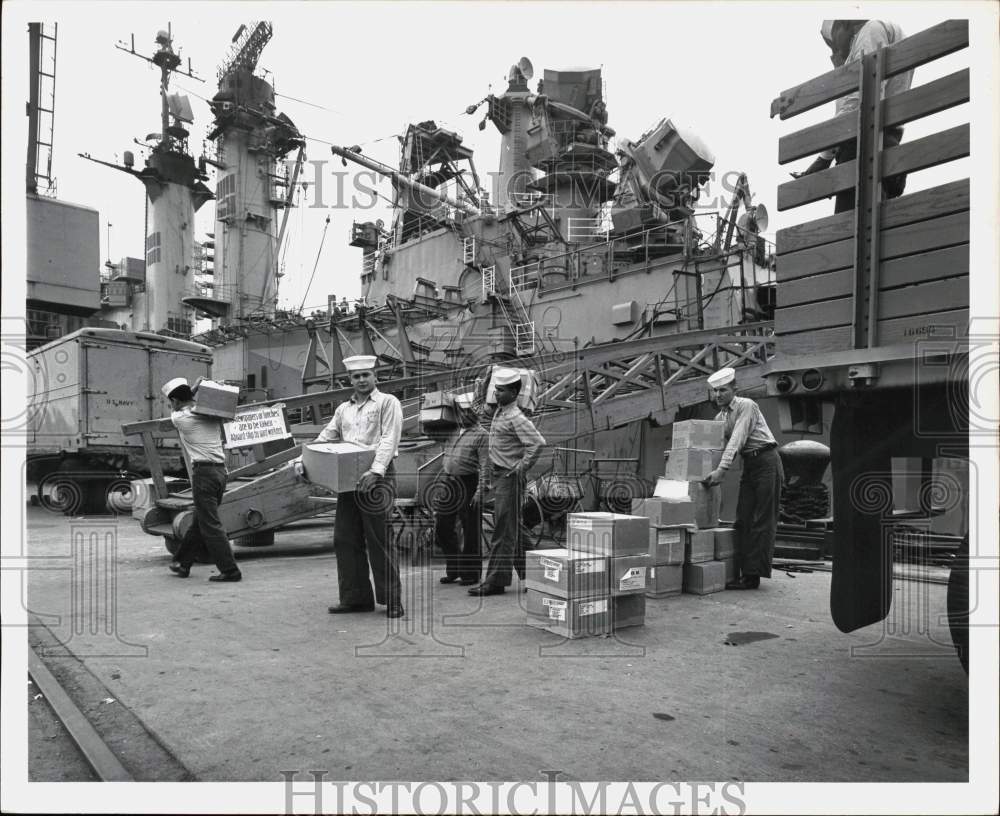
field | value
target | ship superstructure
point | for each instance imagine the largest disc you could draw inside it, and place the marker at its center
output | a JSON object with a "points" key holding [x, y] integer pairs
{"points": [[175, 191], [252, 194], [585, 238]]}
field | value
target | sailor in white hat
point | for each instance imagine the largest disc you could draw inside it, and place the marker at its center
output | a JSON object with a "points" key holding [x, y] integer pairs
{"points": [[372, 419], [456, 493], [201, 443], [849, 41], [760, 485], [514, 446]]}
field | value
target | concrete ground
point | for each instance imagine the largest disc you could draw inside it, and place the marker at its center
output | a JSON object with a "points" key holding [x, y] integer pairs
{"points": [[242, 681]]}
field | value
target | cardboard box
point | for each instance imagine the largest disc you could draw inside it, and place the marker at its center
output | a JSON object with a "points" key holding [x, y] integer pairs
{"points": [[704, 578], [666, 544], [699, 433], [691, 464], [665, 580], [731, 571], [569, 617], [337, 466], [142, 493], [629, 574], [566, 574], [607, 534], [701, 510], [216, 400], [700, 546], [628, 610], [725, 543]]}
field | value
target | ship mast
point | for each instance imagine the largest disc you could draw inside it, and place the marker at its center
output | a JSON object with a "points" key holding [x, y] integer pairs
{"points": [[175, 190]]}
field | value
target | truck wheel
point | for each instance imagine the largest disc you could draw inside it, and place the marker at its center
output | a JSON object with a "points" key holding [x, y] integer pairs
{"points": [[60, 494], [119, 498], [958, 603], [263, 539]]}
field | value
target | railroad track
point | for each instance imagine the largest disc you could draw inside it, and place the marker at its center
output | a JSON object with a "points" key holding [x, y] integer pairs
{"points": [[111, 739], [93, 748]]}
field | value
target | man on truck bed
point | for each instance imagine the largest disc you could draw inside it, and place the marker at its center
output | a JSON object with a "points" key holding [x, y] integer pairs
{"points": [[760, 485], [372, 419], [201, 443], [849, 41]]}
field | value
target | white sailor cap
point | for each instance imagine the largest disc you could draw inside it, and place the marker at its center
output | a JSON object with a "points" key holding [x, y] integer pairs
{"points": [[722, 377], [360, 362], [505, 376], [172, 386], [827, 31]]}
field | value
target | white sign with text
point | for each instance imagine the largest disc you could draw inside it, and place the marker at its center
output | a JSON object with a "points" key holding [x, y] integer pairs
{"points": [[256, 427]]}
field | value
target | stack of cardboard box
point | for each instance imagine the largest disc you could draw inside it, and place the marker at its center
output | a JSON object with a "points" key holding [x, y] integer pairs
{"points": [[684, 513], [597, 584]]}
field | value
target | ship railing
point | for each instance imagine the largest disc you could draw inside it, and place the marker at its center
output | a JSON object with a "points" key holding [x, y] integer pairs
{"points": [[368, 263], [469, 250], [530, 198], [525, 275], [524, 339], [489, 281], [587, 230]]}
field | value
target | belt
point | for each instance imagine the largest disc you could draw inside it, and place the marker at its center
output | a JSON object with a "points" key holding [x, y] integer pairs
{"points": [[750, 454], [206, 463]]}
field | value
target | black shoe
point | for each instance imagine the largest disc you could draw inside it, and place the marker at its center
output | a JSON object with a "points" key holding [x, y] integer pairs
{"points": [[340, 609], [448, 579], [467, 581], [394, 611], [180, 570], [232, 575], [486, 589], [746, 582]]}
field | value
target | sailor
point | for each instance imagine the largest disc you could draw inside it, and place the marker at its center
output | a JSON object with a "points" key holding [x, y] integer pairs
{"points": [[360, 535], [457, 494], [201, 444], [514, 446], [849, 41], [760, 485]]}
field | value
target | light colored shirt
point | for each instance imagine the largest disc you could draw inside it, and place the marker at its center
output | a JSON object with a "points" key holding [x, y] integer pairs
{"points": [[746, 429], [466, 452], [514, 440], [871, 36], [375, 422], [201, 436]]}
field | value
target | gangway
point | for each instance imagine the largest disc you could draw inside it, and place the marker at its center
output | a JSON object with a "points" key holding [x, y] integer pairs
{"points": [[591, 389]]}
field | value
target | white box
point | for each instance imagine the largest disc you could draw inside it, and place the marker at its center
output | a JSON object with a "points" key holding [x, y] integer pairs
{"points": [[337, 466]]}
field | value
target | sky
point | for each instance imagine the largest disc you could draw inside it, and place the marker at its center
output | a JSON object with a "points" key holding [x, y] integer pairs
{"points": [[359, 73]]}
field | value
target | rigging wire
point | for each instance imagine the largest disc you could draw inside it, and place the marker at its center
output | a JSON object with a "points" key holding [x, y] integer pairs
{"points": [[316, 264]]}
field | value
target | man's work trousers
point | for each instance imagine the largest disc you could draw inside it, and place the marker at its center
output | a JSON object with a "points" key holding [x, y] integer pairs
{"points": [[892, 186], [757, 512], [508, 552], [208, 484], [454, 503], [360, 537]]}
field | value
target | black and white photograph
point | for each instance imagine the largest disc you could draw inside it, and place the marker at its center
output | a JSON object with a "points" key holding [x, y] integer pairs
{"points": [[462, 407]]}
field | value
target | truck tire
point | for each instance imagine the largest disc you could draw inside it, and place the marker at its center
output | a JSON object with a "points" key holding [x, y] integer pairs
{"points": [[262, 539], [958, 603]]}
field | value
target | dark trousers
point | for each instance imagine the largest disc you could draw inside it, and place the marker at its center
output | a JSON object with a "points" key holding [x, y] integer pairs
{"points": [[508, 550], [892, 186], [360, 538], [208, 483], [455, 504], [757, 513]]}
